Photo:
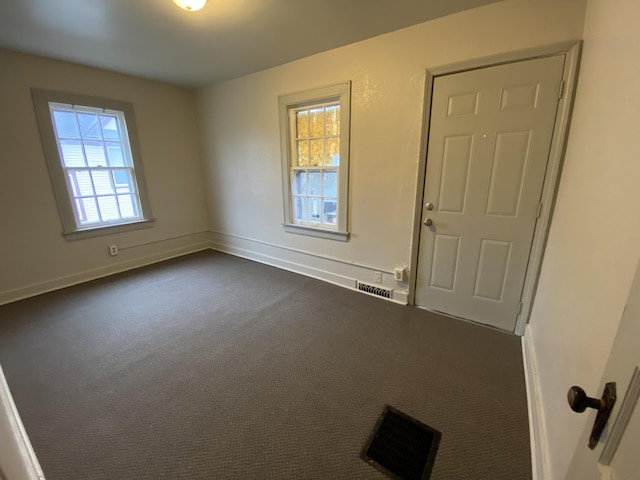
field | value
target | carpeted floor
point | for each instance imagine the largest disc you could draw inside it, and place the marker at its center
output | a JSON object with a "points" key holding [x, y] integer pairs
{"points": [[215, 367]]}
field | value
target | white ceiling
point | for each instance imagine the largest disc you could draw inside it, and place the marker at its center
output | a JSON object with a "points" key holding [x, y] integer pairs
{"points": [[229, 38]]}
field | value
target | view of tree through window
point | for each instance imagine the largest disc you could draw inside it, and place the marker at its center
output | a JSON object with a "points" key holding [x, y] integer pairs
{"points": [[317, 158], [315, 132]]}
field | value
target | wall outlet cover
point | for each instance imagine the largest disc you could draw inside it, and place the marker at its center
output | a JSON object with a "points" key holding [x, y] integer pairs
{"points": [[398, 274]]}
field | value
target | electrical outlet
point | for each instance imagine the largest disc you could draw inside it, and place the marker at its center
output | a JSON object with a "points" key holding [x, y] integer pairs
{"points": [[113, 250], [398, 274], [377, 277]]}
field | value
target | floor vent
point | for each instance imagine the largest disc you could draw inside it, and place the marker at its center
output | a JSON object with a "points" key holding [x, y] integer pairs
{"points": [[379, 291], [402, 447]]}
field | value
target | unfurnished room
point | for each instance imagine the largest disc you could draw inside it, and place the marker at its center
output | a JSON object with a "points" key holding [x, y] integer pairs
{"points": [[330, 239]]}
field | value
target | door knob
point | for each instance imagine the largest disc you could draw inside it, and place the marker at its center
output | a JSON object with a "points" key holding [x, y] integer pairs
{"points": [[428, 206], [579, 402], [428, 222]]}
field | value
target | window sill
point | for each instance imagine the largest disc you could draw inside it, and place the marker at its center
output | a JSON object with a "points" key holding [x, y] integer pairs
{"points": [[316, 232], [108, 229]]}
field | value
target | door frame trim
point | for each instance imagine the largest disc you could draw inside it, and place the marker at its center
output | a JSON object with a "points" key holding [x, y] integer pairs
{"points": [[571, 52]]}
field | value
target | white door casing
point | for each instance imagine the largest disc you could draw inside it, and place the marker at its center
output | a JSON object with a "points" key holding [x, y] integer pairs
{"points": [[490, 136]]}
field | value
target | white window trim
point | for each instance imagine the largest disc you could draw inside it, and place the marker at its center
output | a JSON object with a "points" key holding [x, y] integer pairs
{"points": [[71, 231], [342, 93]]}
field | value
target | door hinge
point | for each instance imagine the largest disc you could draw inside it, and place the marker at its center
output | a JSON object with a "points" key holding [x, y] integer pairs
{"points": [[539, 210], [561, 92], [519, 308]]}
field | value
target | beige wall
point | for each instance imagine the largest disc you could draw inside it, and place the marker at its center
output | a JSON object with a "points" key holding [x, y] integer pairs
{"points": [[594, 242], [589, 261], [239, 121], [33, 254]]}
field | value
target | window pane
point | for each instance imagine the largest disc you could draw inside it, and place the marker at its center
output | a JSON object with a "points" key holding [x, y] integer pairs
{"points": [[79, 211], [92, 146], [300, 208], [116, 155], [316, 122], [317, 152], [65, 124], [110, 127], [314, 209], [102, 183], [87, 210], [108, 208], [333, 120], [314, 182], [72, 155], [82, 183], [311, 136], [123, 181], [89, 126], [95, 154], [128, 208], [72, 184], [303, 153], [329, 213], [300, 182], [333, 151], [330, 183], [302, 124]]}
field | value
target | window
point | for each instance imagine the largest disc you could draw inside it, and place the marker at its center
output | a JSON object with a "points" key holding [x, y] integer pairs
{"points": [[315, 149], [92, 155]]}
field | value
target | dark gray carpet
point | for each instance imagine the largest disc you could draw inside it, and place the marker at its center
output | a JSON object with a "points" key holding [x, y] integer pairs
{"points": [[211, 366]]}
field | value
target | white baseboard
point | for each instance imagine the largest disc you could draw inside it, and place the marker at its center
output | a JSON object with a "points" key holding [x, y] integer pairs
{"points": [[537, 425], [314, 266], [17, 458], [93, 274], [332, 270]]}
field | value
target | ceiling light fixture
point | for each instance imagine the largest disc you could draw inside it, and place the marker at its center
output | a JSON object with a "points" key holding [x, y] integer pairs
{"points": [[190, 5]]}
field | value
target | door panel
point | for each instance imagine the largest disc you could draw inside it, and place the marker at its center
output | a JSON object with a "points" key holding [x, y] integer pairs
{"points": [[455, 173], [623, 360], [493, 266], [507, 173], [444, 266], [489, 141]]}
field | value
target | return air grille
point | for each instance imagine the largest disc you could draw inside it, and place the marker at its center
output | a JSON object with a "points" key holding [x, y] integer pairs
{"points": [[402, 447], [379, 291]]}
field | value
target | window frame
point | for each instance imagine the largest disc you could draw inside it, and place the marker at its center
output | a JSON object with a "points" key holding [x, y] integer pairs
{"points": [[340, 93], [72, 230]]}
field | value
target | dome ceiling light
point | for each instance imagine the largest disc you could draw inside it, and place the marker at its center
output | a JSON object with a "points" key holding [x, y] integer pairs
{"points": [[190, 5]]}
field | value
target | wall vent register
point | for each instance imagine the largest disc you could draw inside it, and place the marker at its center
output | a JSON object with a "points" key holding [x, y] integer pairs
{"points": [[373, 290]]}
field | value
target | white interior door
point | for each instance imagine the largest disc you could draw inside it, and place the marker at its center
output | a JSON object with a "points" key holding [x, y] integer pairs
{"points": [[489, 142], [624, 358]]}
